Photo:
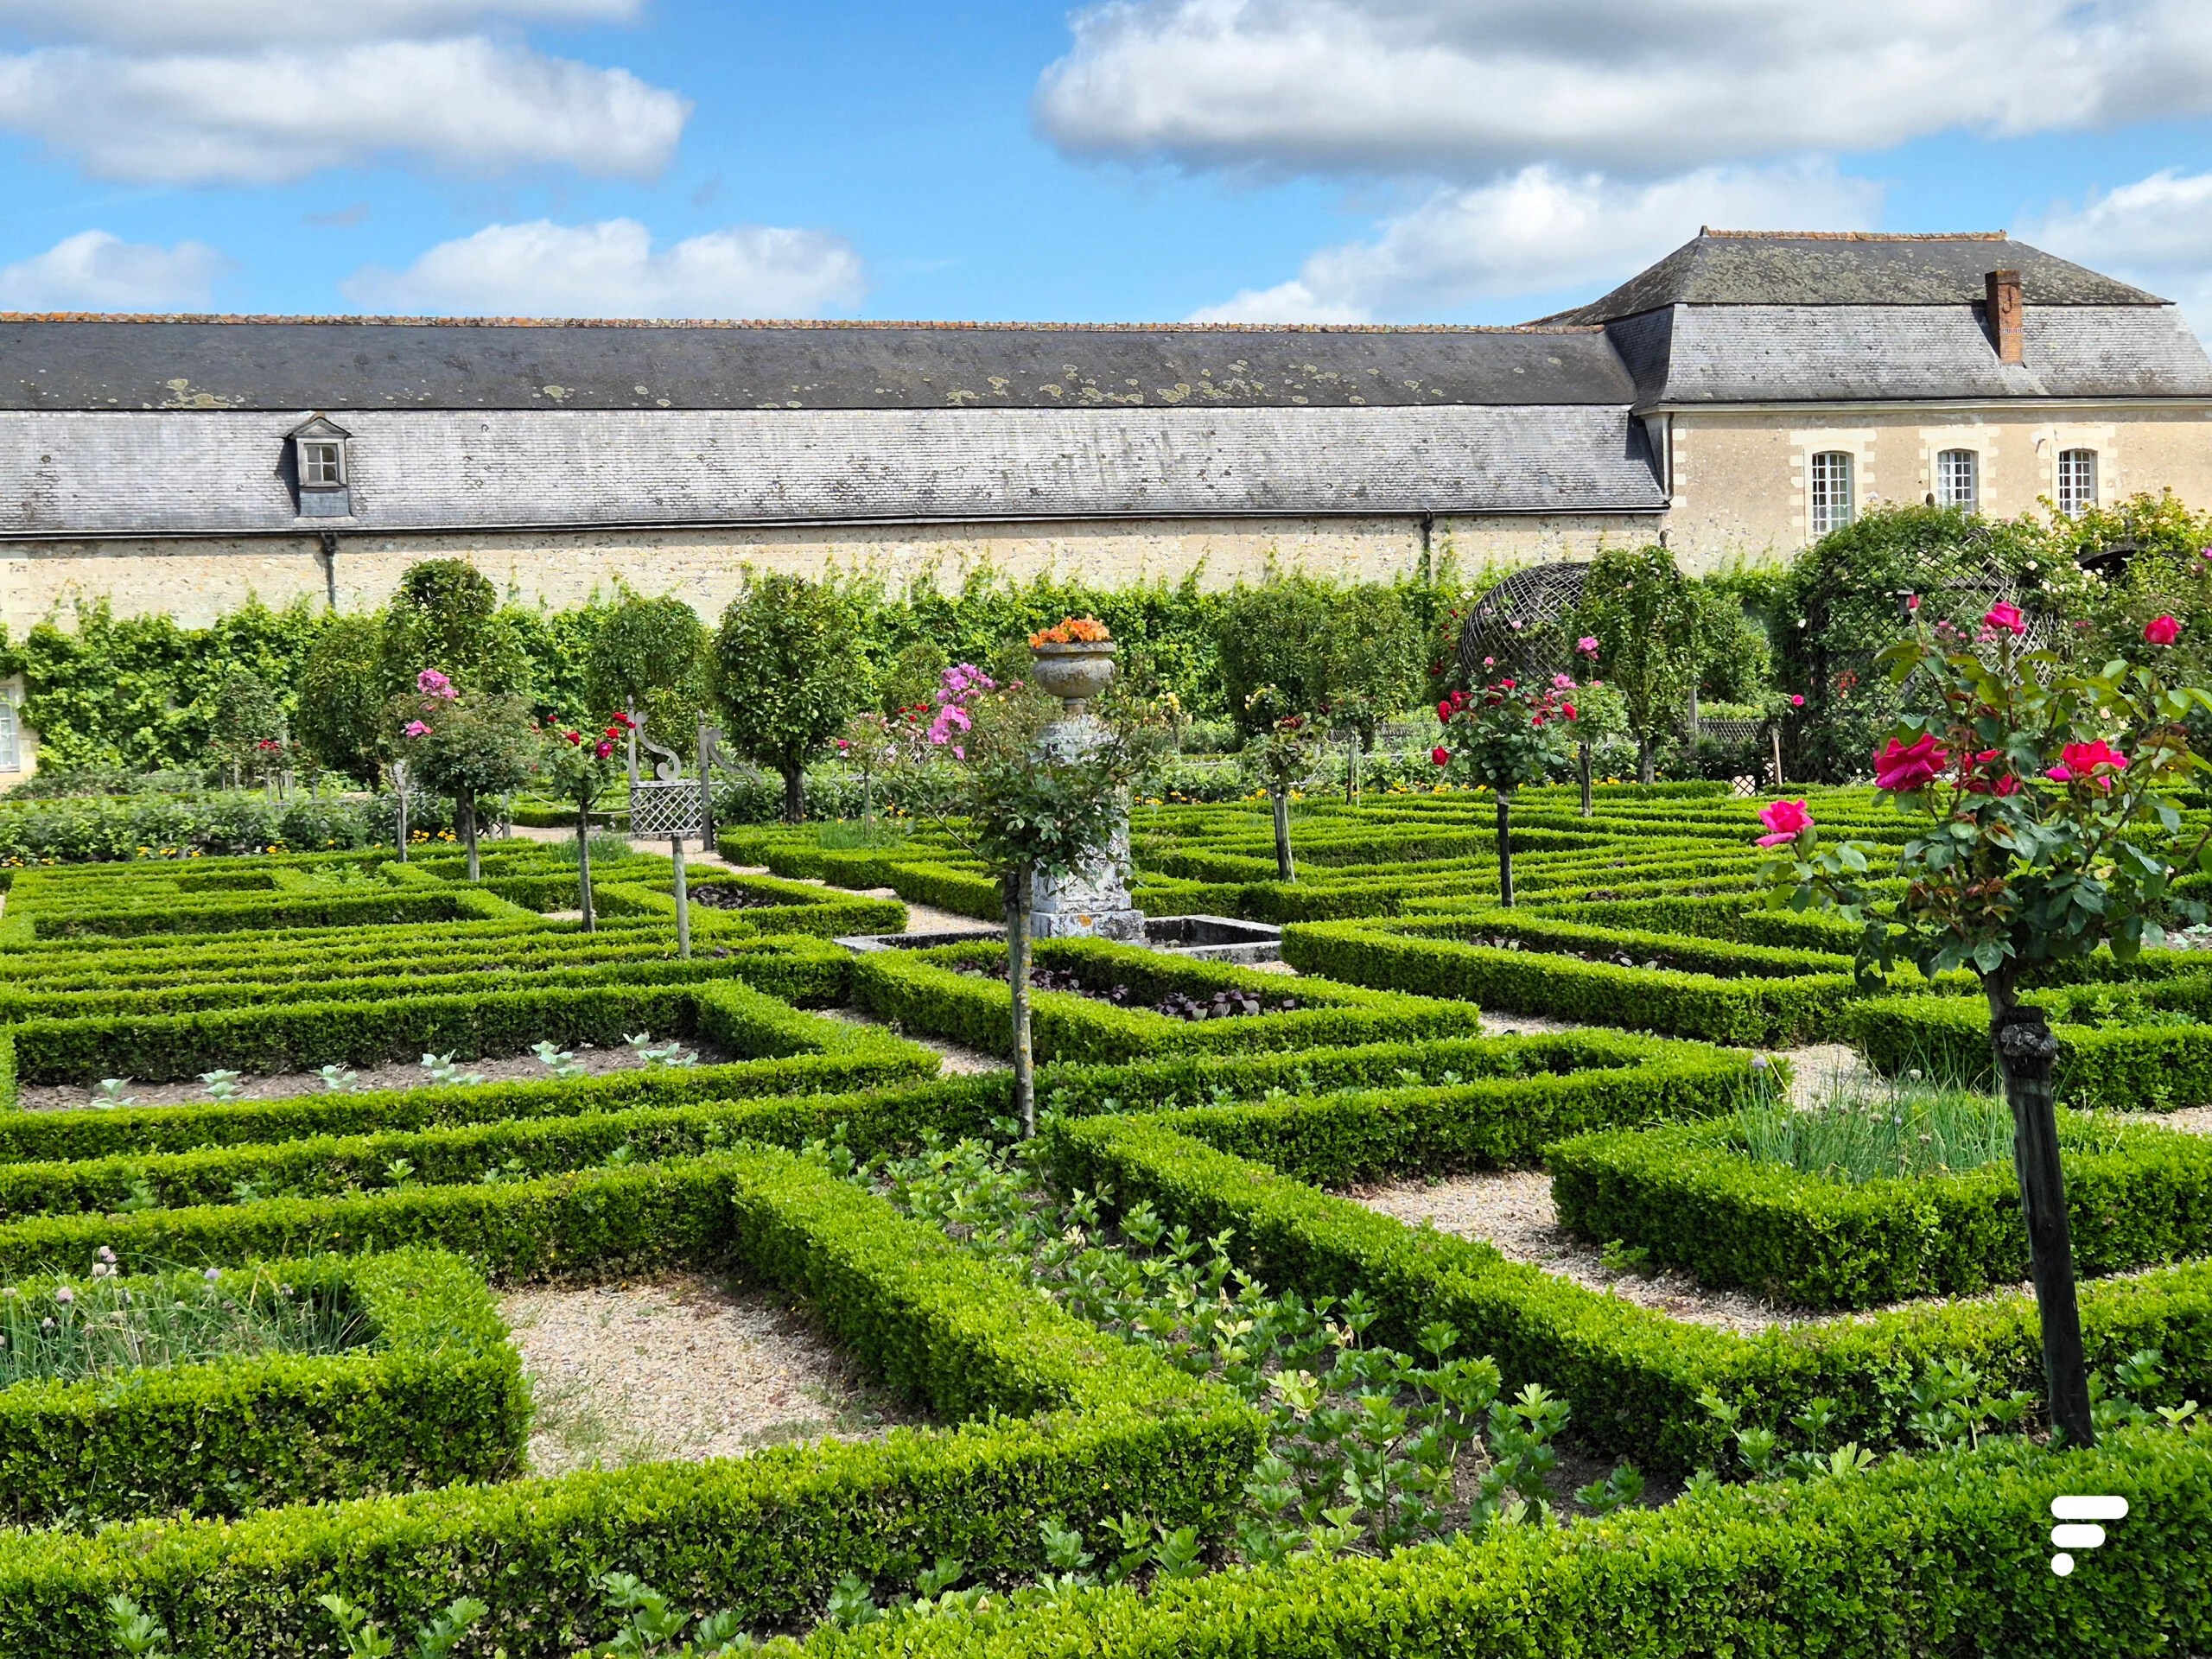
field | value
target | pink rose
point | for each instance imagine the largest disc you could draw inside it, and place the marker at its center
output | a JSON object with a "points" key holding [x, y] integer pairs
{"points": [[2079, 761], [1563, 682], [1787, 820], [2161, 631], [1905, 766], [1912, 602], [2005, 616], [416, 728], [1587, 644], [1796, 699], [431, 683]]}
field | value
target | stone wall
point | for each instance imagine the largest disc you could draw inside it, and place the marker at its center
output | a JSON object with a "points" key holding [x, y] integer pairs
{"points": [[1738, 480], [197, 580]]}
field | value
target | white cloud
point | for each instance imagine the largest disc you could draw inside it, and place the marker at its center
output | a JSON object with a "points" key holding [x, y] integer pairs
{"points": [[217, 103], [610, 270], [1469, 88], [93, 270], [2156, 231], [1539, 231], [140, 24]]}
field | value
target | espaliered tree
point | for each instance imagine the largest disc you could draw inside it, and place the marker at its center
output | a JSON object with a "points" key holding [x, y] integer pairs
{"points": [[1636, 606], [788, 674], [467, 745], [2043, 797], [1279, 756], [1504, 736]]}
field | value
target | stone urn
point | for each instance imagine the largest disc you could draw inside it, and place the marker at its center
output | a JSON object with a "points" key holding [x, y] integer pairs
{"points": [[1075, 674]]}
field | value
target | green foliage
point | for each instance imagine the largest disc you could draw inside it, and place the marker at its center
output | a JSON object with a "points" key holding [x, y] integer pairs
{"points": [[787, 674], [1647, 624], [247, 715], [446, 614], [1701, 1199], [371, 1373], [140, 691], [650, 655], [341, 718], [1317, 644]]}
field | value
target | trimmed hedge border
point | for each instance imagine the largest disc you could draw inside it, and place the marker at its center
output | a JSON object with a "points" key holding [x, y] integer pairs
{"points": [[1938, 1557], [1634, 1375], [919, 990], [2138, 1195], [1759, 1011], [296, 1036], [436, 1395], [1079, 1424]]}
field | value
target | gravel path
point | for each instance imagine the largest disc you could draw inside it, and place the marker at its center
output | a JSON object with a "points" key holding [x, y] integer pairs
{"points": [[683, 1367], [2192, 1120], [959, 1061], [510, 1068]]}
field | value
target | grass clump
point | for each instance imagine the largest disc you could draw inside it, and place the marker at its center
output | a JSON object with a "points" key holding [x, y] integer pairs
{"points": [[69, 1332], [1870, 1130]]}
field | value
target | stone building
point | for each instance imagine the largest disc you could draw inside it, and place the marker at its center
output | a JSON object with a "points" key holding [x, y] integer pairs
{"points": [[1742, 396]]}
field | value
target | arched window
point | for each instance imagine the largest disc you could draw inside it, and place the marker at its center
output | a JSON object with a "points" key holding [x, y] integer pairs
{"points": [[1958, 480], [1831, 492], [2077, 481]]}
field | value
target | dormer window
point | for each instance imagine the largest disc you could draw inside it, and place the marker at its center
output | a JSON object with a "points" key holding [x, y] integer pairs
{"points": [[322, 480], [322, 463]]}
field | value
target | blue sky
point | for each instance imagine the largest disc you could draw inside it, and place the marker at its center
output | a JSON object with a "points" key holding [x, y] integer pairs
{"points": [[1477, 160]]}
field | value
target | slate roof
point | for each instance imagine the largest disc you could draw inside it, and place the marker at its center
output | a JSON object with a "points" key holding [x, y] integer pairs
{"points": [[218, 471], [1849, 353], [1852, 268], [291, 363]]}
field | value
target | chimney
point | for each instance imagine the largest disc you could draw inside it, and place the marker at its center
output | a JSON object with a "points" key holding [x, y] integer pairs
{"points": [[2004, 304]]}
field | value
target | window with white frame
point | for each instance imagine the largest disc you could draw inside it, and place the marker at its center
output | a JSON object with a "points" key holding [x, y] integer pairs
{"points": [[11, 752], [322, 463], [2077, 481], [1830, 491], [1958, 480]]}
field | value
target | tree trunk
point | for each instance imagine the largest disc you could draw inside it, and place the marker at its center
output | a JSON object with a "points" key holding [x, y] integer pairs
{"points": [[630, 751], [583, 868], [1351, 770], [795, 795], [1646, 762], [1582, 765], [465, 801], [1284, 870], [1015, 886], [399, 802], [2026, 1053], [683, 901], [1505, 848]]}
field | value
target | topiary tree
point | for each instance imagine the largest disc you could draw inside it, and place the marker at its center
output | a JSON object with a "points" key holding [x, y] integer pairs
{"points": [[649, 659], [787, 676], [466, 745], [1636, 606], [341, 718], [445, 616]]}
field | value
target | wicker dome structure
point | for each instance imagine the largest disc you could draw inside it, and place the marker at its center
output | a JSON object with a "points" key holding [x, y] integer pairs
{"points": [[1517, 625]]}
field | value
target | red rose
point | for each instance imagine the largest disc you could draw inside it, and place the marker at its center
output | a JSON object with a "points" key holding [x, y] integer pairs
{"points": [[1441, 755], [2161, 631], [1905, 766]]}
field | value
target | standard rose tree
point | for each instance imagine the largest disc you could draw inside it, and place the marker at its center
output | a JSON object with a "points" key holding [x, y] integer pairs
{"points": [[465, 745], [2042, 795], [577, 767], [1502, 737]]}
